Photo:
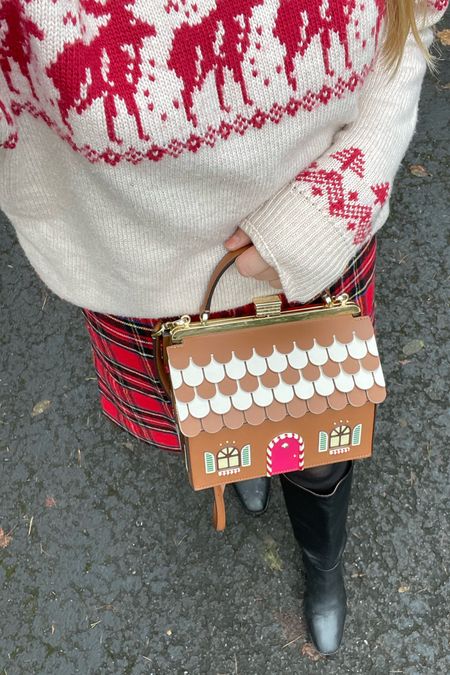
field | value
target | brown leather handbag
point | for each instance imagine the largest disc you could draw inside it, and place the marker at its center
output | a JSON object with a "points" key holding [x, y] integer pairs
{"points": [[270, 393]]}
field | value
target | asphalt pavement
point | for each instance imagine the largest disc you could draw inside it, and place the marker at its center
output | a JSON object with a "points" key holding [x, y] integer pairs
{"points": [[109, 564]]}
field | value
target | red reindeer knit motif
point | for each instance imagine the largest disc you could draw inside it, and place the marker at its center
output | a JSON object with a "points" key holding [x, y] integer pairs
{"points": [[298, 23], [104, 68], [215, 45]]}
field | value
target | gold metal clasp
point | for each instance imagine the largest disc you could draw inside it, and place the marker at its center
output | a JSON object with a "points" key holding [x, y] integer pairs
{"points": [[335, 301], [343, 299], [267, 305], [166, 327]]}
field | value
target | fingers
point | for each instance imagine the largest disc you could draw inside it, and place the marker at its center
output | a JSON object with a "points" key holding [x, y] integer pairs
{"points": [[237, 239], [251, 264], [276, 284]]}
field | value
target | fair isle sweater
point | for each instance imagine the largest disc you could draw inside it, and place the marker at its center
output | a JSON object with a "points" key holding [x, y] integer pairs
{"points": [[136, 136]]}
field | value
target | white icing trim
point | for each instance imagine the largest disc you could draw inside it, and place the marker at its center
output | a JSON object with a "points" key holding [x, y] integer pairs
{"points": [[318, 355], [298, 358], [357, 348], [337, 351], [235, 368]]}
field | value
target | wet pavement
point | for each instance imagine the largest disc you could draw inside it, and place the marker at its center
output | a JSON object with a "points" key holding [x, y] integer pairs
{"points": [[109, 564]]}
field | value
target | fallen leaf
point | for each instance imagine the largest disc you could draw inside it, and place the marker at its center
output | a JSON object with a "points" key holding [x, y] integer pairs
{"points": [[413, 346], [444, 36], [446, 85], [50, 502], [40, 408], [272, 557], [418, 170], [312, 653], [404, 589], [5, 538], [402, 422], [273, 560]]}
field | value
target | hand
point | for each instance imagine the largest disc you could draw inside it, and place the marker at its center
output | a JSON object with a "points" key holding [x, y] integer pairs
{"points": [[250, 263]]}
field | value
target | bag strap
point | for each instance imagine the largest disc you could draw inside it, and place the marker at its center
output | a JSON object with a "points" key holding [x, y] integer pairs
{"points": [[219, 516], [221, 267]]}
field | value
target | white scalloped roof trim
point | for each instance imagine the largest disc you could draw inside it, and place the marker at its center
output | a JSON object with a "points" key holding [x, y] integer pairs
{"points": [[257, 365]]}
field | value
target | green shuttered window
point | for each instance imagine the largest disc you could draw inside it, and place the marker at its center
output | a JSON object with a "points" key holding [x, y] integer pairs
{"points": [[356, 435], [210, 463], [246, 458], [323, 441]]}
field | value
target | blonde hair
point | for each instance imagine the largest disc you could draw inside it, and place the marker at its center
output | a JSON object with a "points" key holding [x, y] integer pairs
{"points": [[400, 20]]}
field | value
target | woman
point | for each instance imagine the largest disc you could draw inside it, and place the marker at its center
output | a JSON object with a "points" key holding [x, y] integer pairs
{"points": [[137, 144]]}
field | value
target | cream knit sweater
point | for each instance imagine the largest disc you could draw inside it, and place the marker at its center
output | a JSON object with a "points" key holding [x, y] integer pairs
{"points": [[135, 136]]}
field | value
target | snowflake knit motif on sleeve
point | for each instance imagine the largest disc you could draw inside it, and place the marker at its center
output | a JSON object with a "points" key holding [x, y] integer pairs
{"points": [[135, 137]]}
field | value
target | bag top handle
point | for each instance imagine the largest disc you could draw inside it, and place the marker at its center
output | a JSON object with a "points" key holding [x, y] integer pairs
{"points": [[221, 267], [161, 341]]}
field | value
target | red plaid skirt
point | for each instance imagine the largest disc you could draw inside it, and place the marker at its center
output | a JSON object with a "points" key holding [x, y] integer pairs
{"points": [[131, 394]]}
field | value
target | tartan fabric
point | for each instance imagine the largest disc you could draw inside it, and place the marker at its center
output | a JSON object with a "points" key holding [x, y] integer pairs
{"points": [[130, 392]]}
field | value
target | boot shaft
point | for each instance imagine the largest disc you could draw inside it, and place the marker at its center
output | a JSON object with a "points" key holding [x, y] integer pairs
{"points": [[318, 520]]}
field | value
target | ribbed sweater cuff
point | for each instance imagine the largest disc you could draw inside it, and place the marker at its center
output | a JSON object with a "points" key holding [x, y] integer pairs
{"points": [[307, 249]]}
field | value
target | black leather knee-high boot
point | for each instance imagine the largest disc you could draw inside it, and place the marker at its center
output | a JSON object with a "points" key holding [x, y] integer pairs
{"points": [[318, 521], [254, 494]]}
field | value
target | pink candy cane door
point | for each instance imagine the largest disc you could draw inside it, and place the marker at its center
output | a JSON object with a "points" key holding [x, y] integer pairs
{"points": [[285, 453]]}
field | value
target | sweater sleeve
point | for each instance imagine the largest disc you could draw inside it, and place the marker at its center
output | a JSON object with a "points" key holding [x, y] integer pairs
{"points": [[8, 129], [312, 227]]}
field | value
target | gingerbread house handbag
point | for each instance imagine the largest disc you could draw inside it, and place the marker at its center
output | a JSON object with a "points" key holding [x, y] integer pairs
{"points": [[271, 393]]}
